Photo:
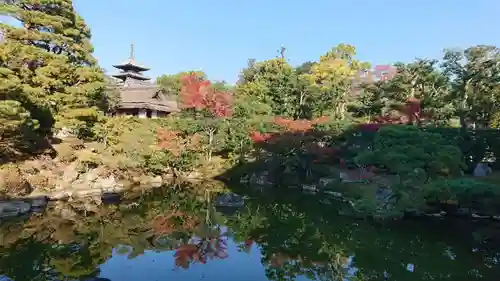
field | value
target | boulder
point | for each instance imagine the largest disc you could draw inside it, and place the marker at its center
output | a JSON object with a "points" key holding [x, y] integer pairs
{"points": [[59, 194], [88, 192], [70, 173], [108, 184], [14, 208], [309, 187], [22, 189], [334, 193], [157, 181], [91, 176], [326, 181]]}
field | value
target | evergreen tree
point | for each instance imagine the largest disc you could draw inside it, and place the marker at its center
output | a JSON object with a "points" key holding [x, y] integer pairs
{"points": [[47, 71]]}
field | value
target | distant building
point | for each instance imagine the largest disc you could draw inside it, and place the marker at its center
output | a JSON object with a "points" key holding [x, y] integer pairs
{"points": [[138, 96]]}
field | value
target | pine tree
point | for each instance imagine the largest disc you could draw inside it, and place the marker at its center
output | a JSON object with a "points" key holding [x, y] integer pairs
{"points": [[47, 71]]}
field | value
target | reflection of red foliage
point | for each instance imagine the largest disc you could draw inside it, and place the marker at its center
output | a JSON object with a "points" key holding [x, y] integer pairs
{"points": [[184, 254], [212, 248], [199, 94], [248, 242]]}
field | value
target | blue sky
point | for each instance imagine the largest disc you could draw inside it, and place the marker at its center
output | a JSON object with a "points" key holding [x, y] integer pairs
{"points": [[218, 36]]}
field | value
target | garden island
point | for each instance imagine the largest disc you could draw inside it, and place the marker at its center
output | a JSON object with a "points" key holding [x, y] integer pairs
{"points": [[324, 166]]}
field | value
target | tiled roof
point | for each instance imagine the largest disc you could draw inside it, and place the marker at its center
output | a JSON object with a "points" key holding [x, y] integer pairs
{"points": [[148, 97]]}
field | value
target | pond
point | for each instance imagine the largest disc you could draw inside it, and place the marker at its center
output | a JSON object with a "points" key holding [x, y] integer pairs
{"points": [[175, 235]]}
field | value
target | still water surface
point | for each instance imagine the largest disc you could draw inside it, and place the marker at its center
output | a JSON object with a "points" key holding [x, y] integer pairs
{"points": [[176, 236]]}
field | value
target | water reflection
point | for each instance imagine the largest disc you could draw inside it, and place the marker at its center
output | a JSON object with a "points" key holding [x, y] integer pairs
{"points": [[179, 236]]}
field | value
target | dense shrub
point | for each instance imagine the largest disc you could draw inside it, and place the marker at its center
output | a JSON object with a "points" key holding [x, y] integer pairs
{"points": [[405, 149], [466, 192]]}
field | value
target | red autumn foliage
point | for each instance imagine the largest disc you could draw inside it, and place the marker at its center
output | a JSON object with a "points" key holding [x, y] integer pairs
{"points": [[410, 113], [300, 125], [199, 94], [258, 137], [173, 142], [322, 154]]}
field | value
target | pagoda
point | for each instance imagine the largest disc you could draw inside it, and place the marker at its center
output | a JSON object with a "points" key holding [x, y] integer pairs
{"points": [[138, 96], [131, 72]]}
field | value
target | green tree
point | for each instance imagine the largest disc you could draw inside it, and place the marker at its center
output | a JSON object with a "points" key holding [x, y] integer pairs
{"points": [[420, 80], [46, 64], [333, 78], [273, 82], [305, 68], [475, 78]]}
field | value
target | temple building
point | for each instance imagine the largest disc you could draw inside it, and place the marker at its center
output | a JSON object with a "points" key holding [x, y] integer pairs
{"points": [[138, 96]]}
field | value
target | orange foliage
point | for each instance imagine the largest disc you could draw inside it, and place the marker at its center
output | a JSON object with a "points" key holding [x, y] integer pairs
{"points": [[173, 141], [300, 125]]}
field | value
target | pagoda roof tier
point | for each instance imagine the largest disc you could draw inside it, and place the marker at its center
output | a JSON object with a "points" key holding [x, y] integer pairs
{"points": [[131, 65], [135, 75]]}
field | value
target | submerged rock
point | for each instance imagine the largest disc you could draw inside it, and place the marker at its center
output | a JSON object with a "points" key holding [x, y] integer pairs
{"points": [[229, 200], [14, 208]]}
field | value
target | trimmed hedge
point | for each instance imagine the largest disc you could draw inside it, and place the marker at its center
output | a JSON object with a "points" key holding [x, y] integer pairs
{"points": [[475, 145]]}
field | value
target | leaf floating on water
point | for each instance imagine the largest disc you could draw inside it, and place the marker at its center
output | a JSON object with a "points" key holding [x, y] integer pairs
{"points": [[410, 267]]}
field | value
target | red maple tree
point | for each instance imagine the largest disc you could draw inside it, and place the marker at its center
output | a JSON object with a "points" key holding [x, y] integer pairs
{"points": [[258, 137], [200, 95], [299, 125], [173, 141], [409, 113]]}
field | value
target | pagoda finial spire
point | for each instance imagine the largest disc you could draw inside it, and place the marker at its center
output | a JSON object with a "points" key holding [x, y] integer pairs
{"points": [[131, 51]]}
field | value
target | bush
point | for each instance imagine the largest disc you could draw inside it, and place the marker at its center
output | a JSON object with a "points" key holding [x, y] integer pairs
{"points": [[468, 193], [405, 149]]}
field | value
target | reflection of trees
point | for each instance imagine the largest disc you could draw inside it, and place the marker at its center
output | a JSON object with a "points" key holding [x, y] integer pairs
{"points": [[65, 244], [295, 235]]}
